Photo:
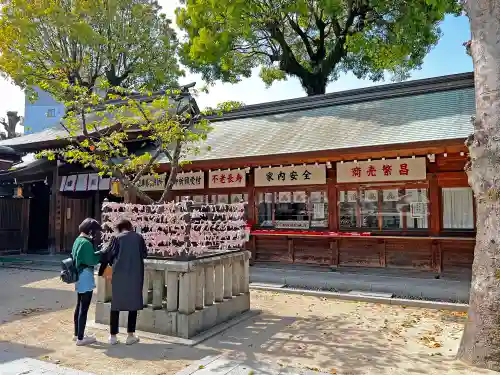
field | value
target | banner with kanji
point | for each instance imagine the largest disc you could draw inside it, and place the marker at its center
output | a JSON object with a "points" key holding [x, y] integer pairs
{"points": [[291, 175], [189, 181], [227, 179], [382, 170]]}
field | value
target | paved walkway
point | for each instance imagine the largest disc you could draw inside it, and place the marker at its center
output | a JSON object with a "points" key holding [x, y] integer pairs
{"points": [[221, 365], [400, 283], [29, 366]]}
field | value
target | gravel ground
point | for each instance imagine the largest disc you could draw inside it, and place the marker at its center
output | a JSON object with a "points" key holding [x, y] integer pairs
{"points": [[337, 337]]}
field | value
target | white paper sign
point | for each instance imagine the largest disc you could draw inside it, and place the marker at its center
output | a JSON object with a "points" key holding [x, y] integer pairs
{"points": [[391, 195], [222, 199], [82, 182], [285, 197], [371, 196], [382, 170], [418, 210], [352, 196], [189, 181], [299, 197], [292, 224], [317, 196], [318, 211], [296, 175], [151, 183], [227, 179], [104, 183], [93, 183], [70, 183]]}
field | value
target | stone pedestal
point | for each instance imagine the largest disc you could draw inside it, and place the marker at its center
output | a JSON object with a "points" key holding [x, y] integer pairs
{"points": [[200, 294]]}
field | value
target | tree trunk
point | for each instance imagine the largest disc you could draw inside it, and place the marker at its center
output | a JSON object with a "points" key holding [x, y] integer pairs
{"points": [[480, 345], [174, 167], [314, 84]]}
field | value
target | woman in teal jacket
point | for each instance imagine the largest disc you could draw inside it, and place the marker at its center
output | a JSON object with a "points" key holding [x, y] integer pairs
{"points": [[85, 259]]}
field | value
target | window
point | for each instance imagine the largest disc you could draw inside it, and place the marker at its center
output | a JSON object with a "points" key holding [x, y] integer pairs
{"points": [[293, 209], [51, 112], [215, 199], [458, 209], [390, 209]]}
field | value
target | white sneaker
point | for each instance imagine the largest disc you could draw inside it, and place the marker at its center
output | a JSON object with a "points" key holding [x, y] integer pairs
{"points": [[75, 338], [131, 340], [113, 340], [87, 340]]}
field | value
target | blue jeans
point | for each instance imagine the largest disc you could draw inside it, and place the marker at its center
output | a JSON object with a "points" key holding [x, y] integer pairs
{"points": [[81, 311]]}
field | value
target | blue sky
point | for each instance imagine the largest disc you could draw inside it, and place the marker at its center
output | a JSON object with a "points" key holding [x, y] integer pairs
{"points": [[448, 57]]}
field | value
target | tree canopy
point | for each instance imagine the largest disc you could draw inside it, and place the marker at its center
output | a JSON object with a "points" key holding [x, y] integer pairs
{"points": [[100, 131], [127, 43], [313, 40]]}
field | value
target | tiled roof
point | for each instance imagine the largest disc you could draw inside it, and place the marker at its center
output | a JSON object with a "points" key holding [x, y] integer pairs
{"points": [[426, 110], [426, 117], [46, 135]]}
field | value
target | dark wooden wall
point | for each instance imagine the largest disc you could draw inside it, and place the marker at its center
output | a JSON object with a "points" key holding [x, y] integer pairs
{"points": [[14, 224]]}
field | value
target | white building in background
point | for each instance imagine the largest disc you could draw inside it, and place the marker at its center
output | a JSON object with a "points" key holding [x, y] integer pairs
{"points": [[44, 113]]}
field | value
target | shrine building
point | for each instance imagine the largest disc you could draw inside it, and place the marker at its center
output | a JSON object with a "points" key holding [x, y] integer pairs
{"points": [[372, 177]]}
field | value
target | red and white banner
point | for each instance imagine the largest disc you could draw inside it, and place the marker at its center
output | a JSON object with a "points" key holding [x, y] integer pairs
{"points": [[382, 170], [227, 179]]}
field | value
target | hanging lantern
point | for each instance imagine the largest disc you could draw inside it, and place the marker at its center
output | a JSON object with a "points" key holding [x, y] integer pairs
{"points": [[19, 192], [115, 188]]}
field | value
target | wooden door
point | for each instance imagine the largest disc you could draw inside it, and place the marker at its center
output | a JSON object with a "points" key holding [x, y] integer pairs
{"points": [[73, 212], [14, 223]]}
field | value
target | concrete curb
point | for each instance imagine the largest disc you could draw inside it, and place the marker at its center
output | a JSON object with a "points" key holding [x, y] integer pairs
{"points": [[460, 307], [203, 336]]}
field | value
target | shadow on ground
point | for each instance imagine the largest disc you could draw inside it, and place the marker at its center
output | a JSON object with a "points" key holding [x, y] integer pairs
{"points": [[10, 351], [327, 344], [26, 293]]}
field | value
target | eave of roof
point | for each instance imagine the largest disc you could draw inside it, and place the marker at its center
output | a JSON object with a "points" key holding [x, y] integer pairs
{"points": [[379, 92]]}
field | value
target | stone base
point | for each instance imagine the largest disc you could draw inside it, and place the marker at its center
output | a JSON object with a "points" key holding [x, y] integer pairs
{"points": [[177, 324]]}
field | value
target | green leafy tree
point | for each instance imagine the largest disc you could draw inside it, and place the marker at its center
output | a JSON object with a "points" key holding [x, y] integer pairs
{"points": [[100, 130], [78, 50], [128, 43], [312, 40]]}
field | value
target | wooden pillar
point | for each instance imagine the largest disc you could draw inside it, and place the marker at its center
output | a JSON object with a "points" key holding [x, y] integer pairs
{"points": [[437, 258], [291, 255], [209, 285], [334, 253], [435, 205], [252, 211], [382, 252], [172, 291], [332, 193]]}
